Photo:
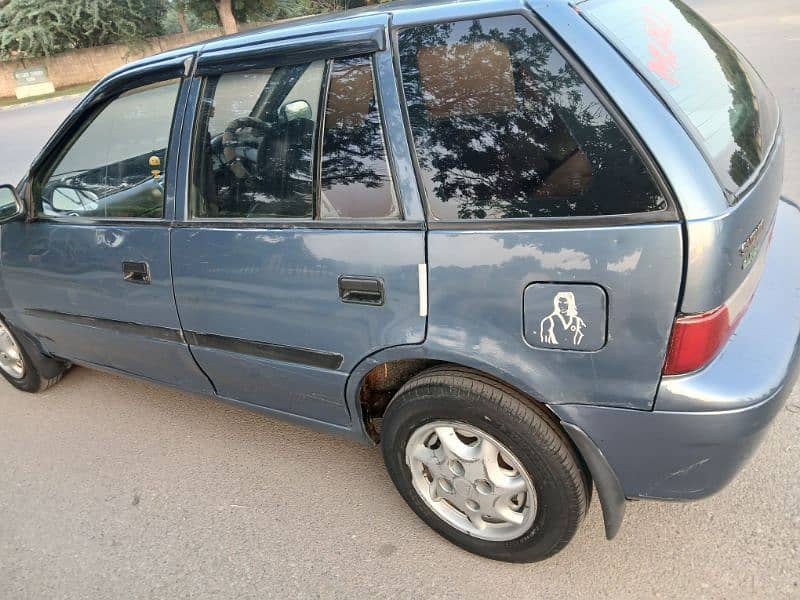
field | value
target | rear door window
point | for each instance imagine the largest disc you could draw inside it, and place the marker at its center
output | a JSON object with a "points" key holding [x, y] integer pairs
{"points": [[715, 92], [504, 128], [355, 171], [302, 141], [254, 147]]}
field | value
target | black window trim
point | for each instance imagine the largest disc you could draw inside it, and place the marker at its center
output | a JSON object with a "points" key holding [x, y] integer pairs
{"points": [[295, 50], [97, 100], [319, 140], [670, 214], [314, 222]]}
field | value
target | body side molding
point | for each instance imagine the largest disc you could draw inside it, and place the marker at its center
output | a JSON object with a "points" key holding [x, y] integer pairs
{"points": [[305, 356], [292, 354]]}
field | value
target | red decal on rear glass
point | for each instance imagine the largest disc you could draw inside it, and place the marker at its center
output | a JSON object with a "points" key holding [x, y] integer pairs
{"points": [[663, 60]]}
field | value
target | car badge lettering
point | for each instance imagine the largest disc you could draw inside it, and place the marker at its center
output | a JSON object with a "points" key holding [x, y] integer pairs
{"points": [[751, 246]]}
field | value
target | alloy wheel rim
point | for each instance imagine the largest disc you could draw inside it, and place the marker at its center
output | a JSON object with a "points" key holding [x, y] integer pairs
{"points": [[11, 360], [471, 480]]}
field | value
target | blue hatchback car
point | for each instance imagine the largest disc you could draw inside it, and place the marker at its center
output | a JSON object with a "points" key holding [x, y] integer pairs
{"points": [[532, 248]]}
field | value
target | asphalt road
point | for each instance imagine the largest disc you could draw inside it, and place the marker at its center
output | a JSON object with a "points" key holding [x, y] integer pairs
{"points": [[113, 488], [24, 129]]}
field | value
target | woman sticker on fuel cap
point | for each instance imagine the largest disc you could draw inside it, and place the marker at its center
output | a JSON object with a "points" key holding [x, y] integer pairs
{"points": [[563, 326]]}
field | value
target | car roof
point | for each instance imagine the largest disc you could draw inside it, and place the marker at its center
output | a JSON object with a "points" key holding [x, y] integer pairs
{"points": [[284, 28]]}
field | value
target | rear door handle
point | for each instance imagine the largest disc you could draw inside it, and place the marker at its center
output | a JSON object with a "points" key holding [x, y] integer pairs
{"points": [[355, 289], [136, 272]]}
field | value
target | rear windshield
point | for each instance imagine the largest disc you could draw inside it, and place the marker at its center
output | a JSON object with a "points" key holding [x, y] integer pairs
{"points": [[717, 94]]}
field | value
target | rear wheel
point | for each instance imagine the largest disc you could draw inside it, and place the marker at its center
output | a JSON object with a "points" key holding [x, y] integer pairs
{"points": [[482, 466], [19, 368]]}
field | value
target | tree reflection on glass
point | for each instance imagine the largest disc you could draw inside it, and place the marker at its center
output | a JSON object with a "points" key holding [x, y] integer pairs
{"points": [[504, 128], [355, 174], [748, 144]]}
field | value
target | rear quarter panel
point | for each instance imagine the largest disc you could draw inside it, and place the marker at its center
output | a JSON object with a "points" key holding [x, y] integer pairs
{"points": [[477, 281], [478, 277]]}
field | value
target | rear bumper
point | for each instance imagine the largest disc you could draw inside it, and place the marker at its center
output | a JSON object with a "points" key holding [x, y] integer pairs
{"points": [[707, 424]]}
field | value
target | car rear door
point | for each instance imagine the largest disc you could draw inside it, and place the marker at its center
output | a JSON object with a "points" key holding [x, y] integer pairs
{"points": [[300, 246], [89, 275]]}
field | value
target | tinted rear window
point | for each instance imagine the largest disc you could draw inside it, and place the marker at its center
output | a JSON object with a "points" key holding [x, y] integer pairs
{"points": [[717, 94], [504, 128]]}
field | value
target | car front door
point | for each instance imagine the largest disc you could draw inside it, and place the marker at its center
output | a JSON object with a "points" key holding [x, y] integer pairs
{"points": [[89, 273], [300, 252]]}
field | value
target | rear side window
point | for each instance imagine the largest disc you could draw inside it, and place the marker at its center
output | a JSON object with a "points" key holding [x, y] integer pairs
{"points": [[292, 142], [355, 172], [713, 90], [505, 128]]}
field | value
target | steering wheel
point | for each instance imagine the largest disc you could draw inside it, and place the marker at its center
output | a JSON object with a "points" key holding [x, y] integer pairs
{"points": [[241, 145]]}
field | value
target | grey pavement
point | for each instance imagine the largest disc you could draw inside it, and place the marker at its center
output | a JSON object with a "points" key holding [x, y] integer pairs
{"points": [[113, 488]]}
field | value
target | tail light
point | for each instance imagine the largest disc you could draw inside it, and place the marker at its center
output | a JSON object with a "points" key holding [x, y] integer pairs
{"points": [[696, 339]]}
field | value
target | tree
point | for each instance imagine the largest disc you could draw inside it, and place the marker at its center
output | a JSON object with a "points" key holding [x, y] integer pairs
{"points": [[226, 18], [230, 13], [180, 13], [223, 12], [44, 27], [183, 16]]}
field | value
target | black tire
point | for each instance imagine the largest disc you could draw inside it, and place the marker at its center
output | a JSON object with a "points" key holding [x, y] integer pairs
{"points": [[458, 394], [40, 371]]}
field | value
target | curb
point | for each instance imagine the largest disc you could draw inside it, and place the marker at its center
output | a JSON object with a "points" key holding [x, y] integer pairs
{"points": [[43, 101]]}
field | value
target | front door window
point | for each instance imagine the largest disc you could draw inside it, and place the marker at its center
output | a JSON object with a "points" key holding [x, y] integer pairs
{"points": [[115, 167]]}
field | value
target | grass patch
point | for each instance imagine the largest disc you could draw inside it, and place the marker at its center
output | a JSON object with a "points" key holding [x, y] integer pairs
{"points": [[65, 91]]}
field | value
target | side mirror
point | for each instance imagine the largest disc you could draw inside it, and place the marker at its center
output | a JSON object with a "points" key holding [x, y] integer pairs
{"points": [[11, 206], [68, 199], [299, 109]]}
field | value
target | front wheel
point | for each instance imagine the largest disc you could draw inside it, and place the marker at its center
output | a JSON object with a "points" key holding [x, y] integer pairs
{"points": [[483, 467]]}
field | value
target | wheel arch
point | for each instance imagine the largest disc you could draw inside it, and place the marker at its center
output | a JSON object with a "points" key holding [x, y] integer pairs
{"points": [[374, 382]]}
